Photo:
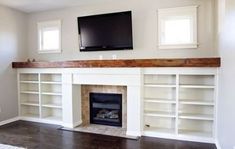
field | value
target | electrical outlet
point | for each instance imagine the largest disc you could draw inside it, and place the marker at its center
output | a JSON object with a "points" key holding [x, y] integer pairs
{"points": [[114, 56]]}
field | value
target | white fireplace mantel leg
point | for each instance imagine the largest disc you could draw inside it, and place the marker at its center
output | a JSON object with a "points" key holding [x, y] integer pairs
{"points": [[133, 111], [71, 102]]}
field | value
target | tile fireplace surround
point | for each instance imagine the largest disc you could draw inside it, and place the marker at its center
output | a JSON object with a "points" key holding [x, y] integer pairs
{"points": [[102, 129], [87, 89]]}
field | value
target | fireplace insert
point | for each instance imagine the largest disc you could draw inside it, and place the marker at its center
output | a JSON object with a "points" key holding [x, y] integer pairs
{"points": [[106, 109]]}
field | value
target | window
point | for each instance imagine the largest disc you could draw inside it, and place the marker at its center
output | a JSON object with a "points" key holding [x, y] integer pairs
{"points": [[177, 27], [49, 35]]}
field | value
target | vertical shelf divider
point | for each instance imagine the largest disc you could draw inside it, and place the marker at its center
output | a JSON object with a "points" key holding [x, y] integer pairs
{"points": [[177, 104], [19, 94], [215, 100], [40, 95]]}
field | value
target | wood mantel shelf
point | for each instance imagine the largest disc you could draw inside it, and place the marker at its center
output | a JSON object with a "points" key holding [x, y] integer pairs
{"points": [[186, 62]]}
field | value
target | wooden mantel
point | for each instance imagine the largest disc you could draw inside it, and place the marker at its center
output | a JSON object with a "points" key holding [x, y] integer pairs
{"points": [[185, 62]]}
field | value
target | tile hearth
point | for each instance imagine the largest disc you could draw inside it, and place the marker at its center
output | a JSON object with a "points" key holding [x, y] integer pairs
{"points": [[104, 130]]}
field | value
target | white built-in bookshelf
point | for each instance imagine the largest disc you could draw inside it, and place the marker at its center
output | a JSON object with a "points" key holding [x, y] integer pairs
{"points": [[178, 104], [40, 96]]}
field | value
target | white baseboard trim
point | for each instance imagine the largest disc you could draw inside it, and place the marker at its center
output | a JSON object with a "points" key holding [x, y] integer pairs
{"points": [[54, 122], [77, 123], [9, 121], [68, 125], [217, 144], [133, 133], [38, 120], [4, 146], [179, 137]]}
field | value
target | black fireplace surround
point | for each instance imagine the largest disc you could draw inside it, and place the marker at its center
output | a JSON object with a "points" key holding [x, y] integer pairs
{"points": [[106, 109]]}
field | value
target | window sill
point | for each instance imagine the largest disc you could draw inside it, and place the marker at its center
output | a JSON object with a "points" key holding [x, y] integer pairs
{"points": [[178, 46], [49, 51]]}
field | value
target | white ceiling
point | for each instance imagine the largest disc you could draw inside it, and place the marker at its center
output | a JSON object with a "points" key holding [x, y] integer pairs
{"points": [[42, 5]]}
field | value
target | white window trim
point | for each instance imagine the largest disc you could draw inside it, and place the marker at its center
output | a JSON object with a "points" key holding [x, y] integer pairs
{"points": [[44, 24], [174, 12]]}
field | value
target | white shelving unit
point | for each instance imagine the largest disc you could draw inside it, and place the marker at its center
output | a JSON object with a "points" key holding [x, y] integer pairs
{"points": [[40, 96], [159, 103], [197, 105], [180, 105], [51, 96], [29, 95]]}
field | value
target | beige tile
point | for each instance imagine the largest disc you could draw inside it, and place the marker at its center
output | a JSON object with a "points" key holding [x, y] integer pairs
{"points": [[105, 130], [87, 89]]}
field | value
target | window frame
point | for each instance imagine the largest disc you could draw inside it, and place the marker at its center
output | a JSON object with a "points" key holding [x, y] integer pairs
{"points": [[175, 13], [44, 25]]}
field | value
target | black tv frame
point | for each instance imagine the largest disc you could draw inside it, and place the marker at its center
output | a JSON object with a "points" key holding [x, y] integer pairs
{"points": [[105, 48]]}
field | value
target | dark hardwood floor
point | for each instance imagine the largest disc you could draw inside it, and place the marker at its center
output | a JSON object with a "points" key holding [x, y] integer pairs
{"points": [[43, 136]]}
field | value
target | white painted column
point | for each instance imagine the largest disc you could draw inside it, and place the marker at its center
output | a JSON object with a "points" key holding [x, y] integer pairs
{"points": [[67, 100], [71, 102], [133, 111]]}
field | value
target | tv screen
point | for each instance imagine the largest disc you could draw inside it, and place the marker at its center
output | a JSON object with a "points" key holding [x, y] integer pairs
{"points": [[106, 32]]}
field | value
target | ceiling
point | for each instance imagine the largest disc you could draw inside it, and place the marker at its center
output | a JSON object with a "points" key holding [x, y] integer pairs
{"points": [[42, 5]]}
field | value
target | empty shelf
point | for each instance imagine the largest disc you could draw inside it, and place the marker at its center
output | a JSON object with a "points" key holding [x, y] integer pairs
{"points": [[53, 118], [197, 102], [30, 104], [196, 116], [51, 82], [30, 115], [159, 130], [29, 82], [159, 114], [198, 86], [29, 92], [58, 106], [51, 93], [195, 133], [155, 100], [160, 85]]}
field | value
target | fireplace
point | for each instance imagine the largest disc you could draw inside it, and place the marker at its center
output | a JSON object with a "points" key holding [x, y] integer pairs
{"points": [[106, 109]]}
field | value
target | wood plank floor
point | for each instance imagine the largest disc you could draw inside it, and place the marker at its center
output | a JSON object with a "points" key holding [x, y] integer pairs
{"points": [[44, 136]]}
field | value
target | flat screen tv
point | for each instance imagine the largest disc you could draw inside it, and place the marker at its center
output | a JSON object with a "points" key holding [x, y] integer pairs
{"points": [[106, 32]]}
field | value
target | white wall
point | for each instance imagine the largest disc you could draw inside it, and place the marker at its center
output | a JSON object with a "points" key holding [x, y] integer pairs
{"points": [[12, 48], [226, 126], [144, 28]]}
